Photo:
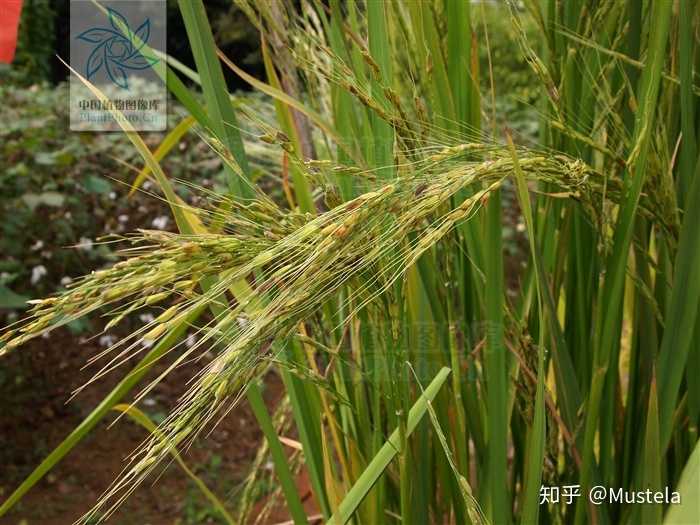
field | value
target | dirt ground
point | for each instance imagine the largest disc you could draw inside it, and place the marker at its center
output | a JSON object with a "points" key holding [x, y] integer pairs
{"points": [[35, 384]]}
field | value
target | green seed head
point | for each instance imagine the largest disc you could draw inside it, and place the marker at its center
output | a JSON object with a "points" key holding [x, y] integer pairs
{"points": [[155, 333]]}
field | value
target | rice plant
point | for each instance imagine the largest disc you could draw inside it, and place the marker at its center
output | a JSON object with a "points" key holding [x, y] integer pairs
{"points": [[422, 386]]}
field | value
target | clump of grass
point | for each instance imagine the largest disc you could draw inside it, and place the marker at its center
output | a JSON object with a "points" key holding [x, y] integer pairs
{"points": [[298, 272]]}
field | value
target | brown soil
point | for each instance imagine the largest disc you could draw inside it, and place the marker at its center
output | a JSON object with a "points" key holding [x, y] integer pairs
{"points": [[35, 384]]}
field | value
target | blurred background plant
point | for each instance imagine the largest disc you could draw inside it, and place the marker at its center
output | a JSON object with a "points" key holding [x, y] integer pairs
{"points": [[61, 191]]}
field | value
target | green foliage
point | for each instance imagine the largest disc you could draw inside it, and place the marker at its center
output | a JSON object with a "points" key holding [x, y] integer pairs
{"points": [[512, 76], [513, 94], [61, 190], [55, 190]]}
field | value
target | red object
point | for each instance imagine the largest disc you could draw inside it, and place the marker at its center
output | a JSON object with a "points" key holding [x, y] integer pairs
{"points": [[9, 22]]}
